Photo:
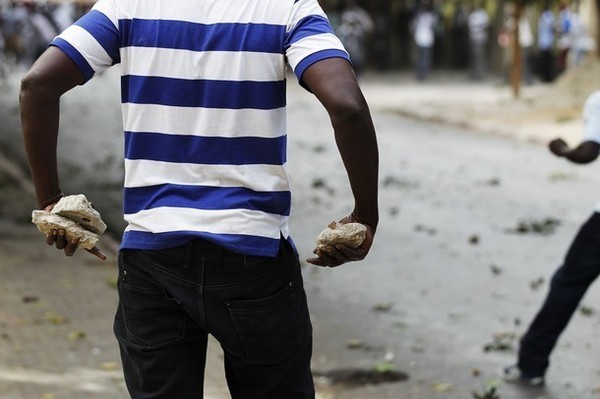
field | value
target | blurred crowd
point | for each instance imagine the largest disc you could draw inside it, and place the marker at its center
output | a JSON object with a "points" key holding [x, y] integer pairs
{"points": [[27, 26], [475, 35]]}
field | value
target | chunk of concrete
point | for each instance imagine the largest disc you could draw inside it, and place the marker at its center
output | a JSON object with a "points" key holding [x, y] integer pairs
{"points": [[349, 234], [48, 221], [78, 209]]}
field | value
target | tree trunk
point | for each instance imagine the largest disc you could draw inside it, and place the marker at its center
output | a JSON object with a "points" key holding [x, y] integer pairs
{"points": [[517, 66]]}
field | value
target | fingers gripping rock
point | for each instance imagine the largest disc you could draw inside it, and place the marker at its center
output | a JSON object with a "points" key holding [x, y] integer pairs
{"points": [[350, 234], [73, 214]]}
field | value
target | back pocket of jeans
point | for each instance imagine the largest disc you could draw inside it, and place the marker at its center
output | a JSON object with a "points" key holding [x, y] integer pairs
{"points": [[271, 328], [152, 318]]}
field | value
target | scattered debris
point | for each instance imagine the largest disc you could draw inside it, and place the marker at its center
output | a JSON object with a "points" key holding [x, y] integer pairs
{"points": [[55, 318], [393, 181], [319, 148], [474, 239], [494, 181], [380, 374], [495, 269], [322, 184], [443, 387], [543, 226], [384, 367], [110, 366], [354, 343], [393, 211], [475, 372], [501, 342], [561, 176], [490, 391], [586, 310], [429, 230], [30, 299], [76, 335], [536, 284], [382, 307]]}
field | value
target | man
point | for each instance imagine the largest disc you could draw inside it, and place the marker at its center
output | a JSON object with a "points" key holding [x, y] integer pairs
{"points": [[570, 282], [424, 26], [479, 24], [207, 201], [546, 30], [356, 25]]}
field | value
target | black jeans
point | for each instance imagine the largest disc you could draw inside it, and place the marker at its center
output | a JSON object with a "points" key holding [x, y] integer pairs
{"points": [[170, 300], [568, 285]]}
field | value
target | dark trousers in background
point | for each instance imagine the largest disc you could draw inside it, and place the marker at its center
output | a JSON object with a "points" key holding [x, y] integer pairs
{"points": [[170, 300], [546, 66], [568, 285], [424, 60]]}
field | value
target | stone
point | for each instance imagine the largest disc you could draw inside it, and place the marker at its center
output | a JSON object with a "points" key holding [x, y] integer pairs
{"points": [[48, 221], [349, 234], [78, 209]]}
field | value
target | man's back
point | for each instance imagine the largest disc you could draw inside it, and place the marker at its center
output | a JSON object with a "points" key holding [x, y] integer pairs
{"points": [[203, 92]]}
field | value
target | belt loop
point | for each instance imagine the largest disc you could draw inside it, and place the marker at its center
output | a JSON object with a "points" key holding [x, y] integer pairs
{"points": [[187, 261]]}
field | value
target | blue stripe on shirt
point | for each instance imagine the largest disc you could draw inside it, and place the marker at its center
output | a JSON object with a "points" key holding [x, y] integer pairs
{"points": [[103, 30], [203, 93], [243, 244], [205, 150], [184, 35], [315, 57], [307, 26], [84, 66], [207, 198]]}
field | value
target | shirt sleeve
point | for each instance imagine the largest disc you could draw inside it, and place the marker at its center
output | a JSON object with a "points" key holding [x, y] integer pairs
{"points": [[310, 37], [92, 42], [591, 118]]}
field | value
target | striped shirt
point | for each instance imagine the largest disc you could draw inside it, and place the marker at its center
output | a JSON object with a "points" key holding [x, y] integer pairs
{"points": [[203, 100]]}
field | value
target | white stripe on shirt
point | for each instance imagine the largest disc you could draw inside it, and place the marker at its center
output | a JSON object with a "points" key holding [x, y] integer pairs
{"points": [[212, 65], [230, 221], [207, 122], [141, 173]]}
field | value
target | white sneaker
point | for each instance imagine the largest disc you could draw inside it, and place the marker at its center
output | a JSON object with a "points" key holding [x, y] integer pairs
{"points": [[514, 375]]}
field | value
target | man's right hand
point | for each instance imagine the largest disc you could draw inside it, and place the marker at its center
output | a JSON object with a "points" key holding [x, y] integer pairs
{"points": [[337, 255], [558, 147]]}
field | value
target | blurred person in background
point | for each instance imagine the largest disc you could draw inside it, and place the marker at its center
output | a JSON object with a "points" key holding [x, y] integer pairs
{"points": [[355, 25], [545, 43], [570, 282], [563, 43], [41, 31], [479, 24], [424, 26]]}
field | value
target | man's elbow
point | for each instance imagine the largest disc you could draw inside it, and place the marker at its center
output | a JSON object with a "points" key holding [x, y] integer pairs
{"points": [[31, 86], [350, 110]]}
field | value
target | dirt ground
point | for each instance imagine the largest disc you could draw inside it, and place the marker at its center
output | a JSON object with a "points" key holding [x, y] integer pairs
{"points": [[462, 165]]}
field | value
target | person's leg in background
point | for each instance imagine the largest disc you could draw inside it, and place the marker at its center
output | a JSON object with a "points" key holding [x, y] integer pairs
{"points": [[568, 285]]}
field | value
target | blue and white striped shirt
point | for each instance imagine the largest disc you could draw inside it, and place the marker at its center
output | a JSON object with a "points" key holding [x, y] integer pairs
{"points": [[203, 99]]}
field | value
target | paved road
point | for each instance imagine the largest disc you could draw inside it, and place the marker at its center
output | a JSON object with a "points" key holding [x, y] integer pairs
{"points": [[446, 273]]}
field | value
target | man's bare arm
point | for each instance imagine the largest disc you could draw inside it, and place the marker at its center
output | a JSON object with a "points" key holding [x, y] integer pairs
{"points": [[52, 75], [333, 82], [585, 152], [47, 80]]}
